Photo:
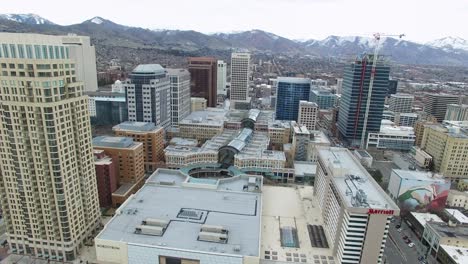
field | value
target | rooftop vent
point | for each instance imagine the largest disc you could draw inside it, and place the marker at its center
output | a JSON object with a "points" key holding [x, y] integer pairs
{"points": [[155, 222], [213, 237], [213, 229], [150, 230], [191, 214]]}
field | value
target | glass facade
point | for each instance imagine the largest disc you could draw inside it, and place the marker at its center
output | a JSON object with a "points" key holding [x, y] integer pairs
{"points": [[324, 99], [290, 91], [354, 99]]}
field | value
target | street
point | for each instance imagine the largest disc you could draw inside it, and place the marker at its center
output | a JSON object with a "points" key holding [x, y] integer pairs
{"points": [[398, 252]]}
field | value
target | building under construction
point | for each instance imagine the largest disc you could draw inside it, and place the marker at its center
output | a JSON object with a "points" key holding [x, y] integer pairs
{"points": [[354, 96]]}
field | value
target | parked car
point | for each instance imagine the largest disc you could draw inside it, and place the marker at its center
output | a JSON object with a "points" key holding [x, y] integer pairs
{"points": [[398, 226], [405, 237], [399, 230], [408, 241], [411, 245]]}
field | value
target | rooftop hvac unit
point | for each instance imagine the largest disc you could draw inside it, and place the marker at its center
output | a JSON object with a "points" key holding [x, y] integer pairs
{"points": [[213, 229], [213, 237], [150, 230], [155, 222]]}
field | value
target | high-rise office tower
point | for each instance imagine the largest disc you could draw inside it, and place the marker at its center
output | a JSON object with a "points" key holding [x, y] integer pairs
{"points": [[308, 113], [324, 99], [48, 185], [339, 85], [436, 104], [221, 77], [354, 99], [457, 112], [401, 103], [148, 94], [290, 91], [240, 75], [180, 94], [203, 78], [392, 87]]}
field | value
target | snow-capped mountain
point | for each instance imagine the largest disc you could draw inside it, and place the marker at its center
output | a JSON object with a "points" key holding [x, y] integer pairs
{"points": [[449, 43], [31, 19]]}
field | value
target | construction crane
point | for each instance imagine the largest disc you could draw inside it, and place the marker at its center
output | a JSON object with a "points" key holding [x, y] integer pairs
{"points": [[377, 37]]}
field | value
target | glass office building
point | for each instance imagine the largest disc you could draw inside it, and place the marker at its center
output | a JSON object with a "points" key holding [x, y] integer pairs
{"points": [[289, 92]]}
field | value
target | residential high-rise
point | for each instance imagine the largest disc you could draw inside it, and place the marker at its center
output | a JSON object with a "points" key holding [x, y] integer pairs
{"points": [[457, 112], [203, 78], [436, 104], [356, 211], [324, 99], [447, 145], [129, 159], [48, 190], [290, 91], [221, 77], [308, 114], [392, 87], [148, 93], [180, 94], [401, 103], [354, 99], [240, 75], [152, 138]]}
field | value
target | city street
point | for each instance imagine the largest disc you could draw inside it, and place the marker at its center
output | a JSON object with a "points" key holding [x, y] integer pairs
{"points": [[396, 249]]}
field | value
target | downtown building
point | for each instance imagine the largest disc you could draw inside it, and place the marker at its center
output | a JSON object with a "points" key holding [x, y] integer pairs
{"points": [[354, 99], [180, 94], [308, 114], [401, 103], [203, 78], [324, 99], [221, 78], [457, 112], [48, 187], [436, 104], [148, 92], [290, 91], [356, 211], [240, 76]]}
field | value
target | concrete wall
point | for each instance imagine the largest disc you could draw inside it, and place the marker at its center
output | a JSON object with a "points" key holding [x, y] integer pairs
{"points": [[111, 251]]}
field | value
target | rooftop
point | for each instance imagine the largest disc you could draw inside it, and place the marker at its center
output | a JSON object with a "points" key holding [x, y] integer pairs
{"points": [[120, 99], [304, 168], [444, 230], [389, 128], [149, 69], [403, 95], [352, 179], [419, 175], [459, 216], [458, 254], [319, 137], [423, 218], [113, 142], [209, 116], [170, 195], [135, 126], [293, 80], [178, 141]]}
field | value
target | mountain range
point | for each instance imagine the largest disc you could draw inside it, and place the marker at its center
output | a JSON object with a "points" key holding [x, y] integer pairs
{"points": [[112, 40]]}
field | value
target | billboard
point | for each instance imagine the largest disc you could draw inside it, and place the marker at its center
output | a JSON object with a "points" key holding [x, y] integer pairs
{"points": [[420, 195]]}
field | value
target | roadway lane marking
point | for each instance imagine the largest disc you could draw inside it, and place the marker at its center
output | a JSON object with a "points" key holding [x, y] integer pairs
{"points": [[399, 249]]}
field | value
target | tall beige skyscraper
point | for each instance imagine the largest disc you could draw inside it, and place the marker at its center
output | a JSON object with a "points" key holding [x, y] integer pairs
{"points": [[48, 186], [240, 74]]}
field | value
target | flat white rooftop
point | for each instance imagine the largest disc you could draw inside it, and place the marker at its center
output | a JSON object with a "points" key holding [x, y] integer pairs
{"points": [[459, 216], [171, 195], [350, 177], [423, 218], [209, 116], [458, 254], [419, 175]]}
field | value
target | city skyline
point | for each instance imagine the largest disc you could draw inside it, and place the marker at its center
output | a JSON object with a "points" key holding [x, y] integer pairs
{"points": [[262, 15]]}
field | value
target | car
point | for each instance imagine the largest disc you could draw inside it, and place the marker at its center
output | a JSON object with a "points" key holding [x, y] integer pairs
{"points": [[399, 230], [398, 226], [408, 241], [405, 237], [421, 258], [411, 245]]}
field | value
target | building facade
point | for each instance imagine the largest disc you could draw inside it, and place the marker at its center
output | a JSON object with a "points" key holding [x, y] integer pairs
{"points": [[290, 91], [324, 99], [148, 93], [106, 177], [392, 137], [152, 138], [457, 112], [197, 104], [221, 77], [203, 78], [180, 94], [392, 87], [308, 114], [240, 76], [436, 104], [354, 99], [355, 210], [401, 103], [48, 187]]}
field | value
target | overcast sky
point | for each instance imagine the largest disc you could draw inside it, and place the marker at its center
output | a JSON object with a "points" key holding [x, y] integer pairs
{"points": [[420, 20]]}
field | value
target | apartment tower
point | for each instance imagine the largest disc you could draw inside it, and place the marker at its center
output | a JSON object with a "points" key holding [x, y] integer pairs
{"points": [[203, 80], [48, 188], [290, 91], [240, 75], [308, 113]]}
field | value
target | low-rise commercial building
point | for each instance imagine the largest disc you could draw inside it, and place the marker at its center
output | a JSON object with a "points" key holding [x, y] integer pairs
{"points": [[197, 104], [423, 159], [452, 255], [152, 138], [203, 125], [392, 137], [417, 222], [438, 234]]}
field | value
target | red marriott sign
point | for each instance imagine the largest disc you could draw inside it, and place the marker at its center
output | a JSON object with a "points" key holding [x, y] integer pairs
{"points": [[380, 211]]}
